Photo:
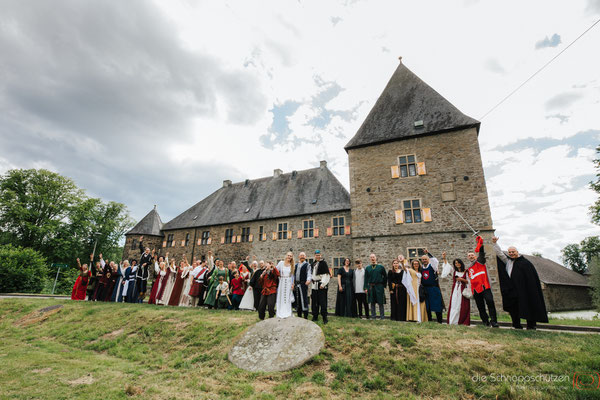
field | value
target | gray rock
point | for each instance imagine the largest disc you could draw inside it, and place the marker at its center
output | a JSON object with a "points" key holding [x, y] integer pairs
{"points": [[277, 344]]}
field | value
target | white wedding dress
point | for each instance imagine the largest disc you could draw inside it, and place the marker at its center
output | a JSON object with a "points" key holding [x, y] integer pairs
{"points": [[285, 296]]}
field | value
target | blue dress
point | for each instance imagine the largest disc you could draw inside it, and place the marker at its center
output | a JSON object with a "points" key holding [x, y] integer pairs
{"points": [[429, 280]]}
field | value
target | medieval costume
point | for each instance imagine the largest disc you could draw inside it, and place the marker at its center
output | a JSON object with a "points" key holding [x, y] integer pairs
{"points": [[130, 281], [285, 295], [112, 280], [237, 292], [169, 283], [96, 270], [459, 309], [344, 304], [256, 286], [320, 279], [247, 302], [103, 278], [154, 290], [521, 290], [268, 282], [177, 287], [222, 295], [415, 306], [162, 278], [433, 294], [397, 295], [186, 300], [375, 281], [360, 297], [303, 274], [141, 283], [198, 286], [212, 287], [117, 293], [81, 283], [480, 286]]}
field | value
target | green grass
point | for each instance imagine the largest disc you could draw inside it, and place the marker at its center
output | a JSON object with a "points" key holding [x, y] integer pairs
{"points": [[132, 351]]}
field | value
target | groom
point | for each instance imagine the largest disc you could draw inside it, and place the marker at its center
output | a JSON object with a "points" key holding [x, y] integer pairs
{"points": [[302, 278]]}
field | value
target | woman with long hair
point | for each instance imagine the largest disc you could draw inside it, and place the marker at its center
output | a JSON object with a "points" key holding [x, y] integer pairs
{"points": [[344, 304], [170, 282], [459, 310], [80, 286], [211, 293], [397, 292], [285, 296], [415, 305]]}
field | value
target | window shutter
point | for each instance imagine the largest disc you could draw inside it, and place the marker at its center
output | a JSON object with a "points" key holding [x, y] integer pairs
{"points": [[233, 239], [182, 243], [347, 229], [289, 234], [421, 168], [165, 243], [299, 234], [426, 214], [399, 216], [395, 171], [199, 241], [239, 239], [250, 237], [209, 241], [222, 239], [172, 243], [316, 232], [274, 235], [329, 231]]}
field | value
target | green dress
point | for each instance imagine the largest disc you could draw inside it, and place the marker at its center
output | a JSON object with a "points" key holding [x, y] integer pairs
{"points": [[212, 286], [375, 281]]}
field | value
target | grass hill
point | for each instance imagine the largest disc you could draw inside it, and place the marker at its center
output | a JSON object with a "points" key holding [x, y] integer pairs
{"points": [[130, 351]]}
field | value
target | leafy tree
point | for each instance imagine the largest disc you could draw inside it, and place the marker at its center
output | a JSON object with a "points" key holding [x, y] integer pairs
{"points": [[579, 257], [595, 281], [22, 270], [595, 208], [537, 254]]}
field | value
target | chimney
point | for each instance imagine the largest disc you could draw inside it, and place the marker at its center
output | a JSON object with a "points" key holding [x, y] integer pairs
{"points": [[400, 59], [277, 172], [155, 207], [226, 183], [323, 164]]}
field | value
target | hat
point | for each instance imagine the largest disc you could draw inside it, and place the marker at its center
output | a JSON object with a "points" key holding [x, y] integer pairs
{"points": [[317, 251]]}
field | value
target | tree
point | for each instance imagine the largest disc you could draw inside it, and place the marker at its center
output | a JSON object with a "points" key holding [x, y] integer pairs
{"points": [[573, 258], [537, 254], [595, 208], [579, 257], [47, 212], [21, 270], [595, 281]]}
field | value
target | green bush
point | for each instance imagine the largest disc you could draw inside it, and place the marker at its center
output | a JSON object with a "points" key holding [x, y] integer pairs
{"points": [[22, 270], [595, 281]]}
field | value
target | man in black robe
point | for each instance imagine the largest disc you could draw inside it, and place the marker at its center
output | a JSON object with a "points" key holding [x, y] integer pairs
{"points": [[520, 287], [141, 284], [320, 277], [301, 283], [255, 283]]}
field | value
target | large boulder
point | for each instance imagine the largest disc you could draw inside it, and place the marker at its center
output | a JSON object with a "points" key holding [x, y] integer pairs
{"points": [[277, 344]]}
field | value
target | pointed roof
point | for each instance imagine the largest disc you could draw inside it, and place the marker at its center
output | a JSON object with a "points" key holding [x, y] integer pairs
{"points": [[309, 191], [406, 100], [149, 225]]}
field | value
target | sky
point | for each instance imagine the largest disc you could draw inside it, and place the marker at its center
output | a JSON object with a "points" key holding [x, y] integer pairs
{"points": [[149, 103]]}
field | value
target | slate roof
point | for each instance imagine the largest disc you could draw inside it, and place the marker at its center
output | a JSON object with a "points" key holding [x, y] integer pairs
{"points": [[149, 225], [552, 273], [405, 100], [309, 191]]}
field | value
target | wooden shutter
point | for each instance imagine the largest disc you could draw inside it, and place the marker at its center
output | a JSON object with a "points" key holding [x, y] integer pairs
{"points": [[233, 239], [316, 232], [274, 235], [289, 234], [395, 171], [199, 241], [209, 241], [426, 214], [165, 243], [250, 237], [239, 239], [222, 239], [172, 243], [421, 168], [299, 234], [399, 214], [347, 229], [182, 243], [329, 231]]}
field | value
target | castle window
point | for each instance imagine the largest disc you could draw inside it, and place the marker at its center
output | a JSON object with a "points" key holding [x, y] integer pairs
{"points": [[408, 165], [205, 237], [308, 228], [282, 230], [338, 226], [170, 240], [245, 234], [228, 235], [133, 244], [187, 239], [412, 211], [261, 233], [337, 262], [414, 252]]}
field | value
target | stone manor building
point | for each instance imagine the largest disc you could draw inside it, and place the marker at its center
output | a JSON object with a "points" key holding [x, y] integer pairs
{"points": [[414, 165]]}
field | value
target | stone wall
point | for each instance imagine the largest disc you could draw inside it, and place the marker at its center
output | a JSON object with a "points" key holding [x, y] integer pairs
{"points": [[567, 298]]}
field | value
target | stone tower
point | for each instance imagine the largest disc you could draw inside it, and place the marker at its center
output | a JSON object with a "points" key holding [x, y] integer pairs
{"points": [[414, 160]]}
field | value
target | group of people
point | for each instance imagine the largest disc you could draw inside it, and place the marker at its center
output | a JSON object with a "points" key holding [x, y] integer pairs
{"points": [[414, 289]]}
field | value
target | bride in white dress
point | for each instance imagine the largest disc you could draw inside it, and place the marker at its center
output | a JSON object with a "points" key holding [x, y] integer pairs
{"points": [[285, 296]]}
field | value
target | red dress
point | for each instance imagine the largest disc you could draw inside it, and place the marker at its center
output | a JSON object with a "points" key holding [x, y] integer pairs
{"points": [[80, 286], [464, 317], [177, 287]]}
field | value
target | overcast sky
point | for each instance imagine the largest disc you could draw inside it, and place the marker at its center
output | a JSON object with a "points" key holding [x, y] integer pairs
{"points": [[156, 103]]}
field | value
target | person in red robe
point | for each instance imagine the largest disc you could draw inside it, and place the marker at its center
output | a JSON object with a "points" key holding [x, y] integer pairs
{"points": [[80, 286], [178, 286], [462, 314]]}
